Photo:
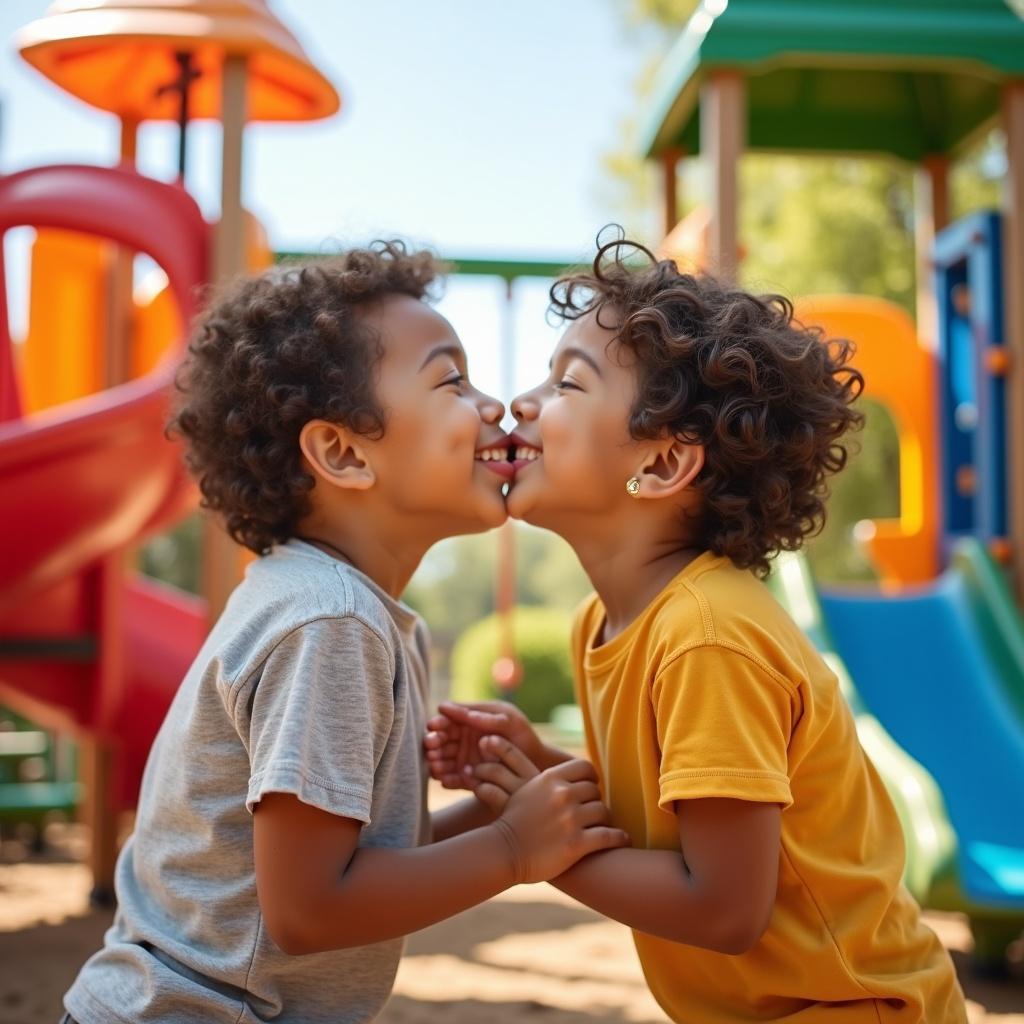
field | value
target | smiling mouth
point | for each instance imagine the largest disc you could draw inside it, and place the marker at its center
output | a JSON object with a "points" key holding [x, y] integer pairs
{"points": [[506, 460]]}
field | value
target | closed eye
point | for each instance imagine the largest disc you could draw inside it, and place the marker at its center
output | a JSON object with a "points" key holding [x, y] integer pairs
{"points": [[567, 385], [459, 381]]}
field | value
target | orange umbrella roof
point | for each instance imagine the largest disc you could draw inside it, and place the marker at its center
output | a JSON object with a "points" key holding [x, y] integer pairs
{"points": [[117, 55]]}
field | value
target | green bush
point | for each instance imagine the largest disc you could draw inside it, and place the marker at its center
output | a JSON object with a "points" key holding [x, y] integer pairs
{"points": [[541, 637]]}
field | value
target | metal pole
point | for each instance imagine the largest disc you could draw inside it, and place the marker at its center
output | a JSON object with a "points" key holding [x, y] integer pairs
{"points": [[184, 59]]}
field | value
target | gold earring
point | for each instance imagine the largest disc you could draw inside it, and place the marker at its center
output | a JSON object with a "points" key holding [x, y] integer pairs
{"points": [[633, 487]]}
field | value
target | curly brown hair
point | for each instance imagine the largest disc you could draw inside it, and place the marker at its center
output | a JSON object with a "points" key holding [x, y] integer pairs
{"points": [[768, 398], [271, 353]]}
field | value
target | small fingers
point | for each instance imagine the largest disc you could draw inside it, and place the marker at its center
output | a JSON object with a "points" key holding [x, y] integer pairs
{"points": [[593, 813], [576, 770], [457, 780], [487, 717], [492, 797], [467, 752], [604, 838], [446, 753], [442, 759], [510, 756], [441, 723], [437, 744], [584, 792], [496, 774]]}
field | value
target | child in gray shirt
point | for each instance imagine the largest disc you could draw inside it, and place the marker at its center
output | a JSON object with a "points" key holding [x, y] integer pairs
{"points": [[282, 847]]}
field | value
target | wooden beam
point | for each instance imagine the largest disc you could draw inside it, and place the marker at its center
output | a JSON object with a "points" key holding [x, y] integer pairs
{"points": [[931, 215], [96, 765], [1013, 263], [222, 557], [723, 131], [117, 357], [670, 189], [129, 140], [229, 243]]}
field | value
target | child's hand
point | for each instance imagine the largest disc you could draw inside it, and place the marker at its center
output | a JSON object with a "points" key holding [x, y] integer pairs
{"points": [[552, 818], [503, 770], [453, 743]]}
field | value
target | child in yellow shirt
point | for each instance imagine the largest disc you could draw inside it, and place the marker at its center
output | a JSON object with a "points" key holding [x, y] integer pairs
{"points": [[684, 436]]}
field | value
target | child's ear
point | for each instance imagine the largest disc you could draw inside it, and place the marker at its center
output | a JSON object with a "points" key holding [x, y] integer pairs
{"points": [[336, 456], [671, 468]]}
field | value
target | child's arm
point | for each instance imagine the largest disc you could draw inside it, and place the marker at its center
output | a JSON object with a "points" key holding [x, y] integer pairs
{"points": [[717, 893], [318, 890], [458, 818], [452, 742]]}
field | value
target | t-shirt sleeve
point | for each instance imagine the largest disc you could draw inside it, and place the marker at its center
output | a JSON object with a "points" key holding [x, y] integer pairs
{"points": [[724, 724], [319, 717]]}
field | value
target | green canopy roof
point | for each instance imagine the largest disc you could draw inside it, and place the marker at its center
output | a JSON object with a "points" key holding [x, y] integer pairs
{"points": [[908, 78]]}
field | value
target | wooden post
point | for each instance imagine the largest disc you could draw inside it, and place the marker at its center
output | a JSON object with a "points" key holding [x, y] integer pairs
{"points": [[931, 215], [118, 356], [229, 244], [1013, 262], [670, 189], [98, 758], [95, 765], [222, 559], [129, 140], [723, 129], [98, 754], [507, 671]]}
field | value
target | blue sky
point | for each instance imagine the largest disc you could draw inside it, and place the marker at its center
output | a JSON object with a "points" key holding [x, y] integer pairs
{"points": [[474, 126]]}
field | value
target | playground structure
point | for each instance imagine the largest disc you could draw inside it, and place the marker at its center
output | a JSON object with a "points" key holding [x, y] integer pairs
{"points": [[932, 659], [87, 645]]}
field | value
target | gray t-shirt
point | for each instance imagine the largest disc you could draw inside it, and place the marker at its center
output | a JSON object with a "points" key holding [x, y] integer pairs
{"points": [[314, 682]]}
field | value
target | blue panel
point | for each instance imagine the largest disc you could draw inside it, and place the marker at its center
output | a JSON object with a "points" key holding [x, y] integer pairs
{"points": [[972, 404], [919, 662]]}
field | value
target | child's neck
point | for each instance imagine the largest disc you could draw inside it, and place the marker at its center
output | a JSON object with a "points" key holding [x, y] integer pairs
{"points": [[629, 575], [389, 562]]}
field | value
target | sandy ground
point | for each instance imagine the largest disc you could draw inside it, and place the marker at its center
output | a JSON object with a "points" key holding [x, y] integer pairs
{"points": [[531, 955]]}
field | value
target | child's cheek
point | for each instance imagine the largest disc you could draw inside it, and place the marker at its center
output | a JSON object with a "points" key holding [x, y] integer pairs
{"points": [[560, 435]]}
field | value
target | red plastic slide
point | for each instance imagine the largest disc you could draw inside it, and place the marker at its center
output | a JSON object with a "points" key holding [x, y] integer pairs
{"points": [[84, 644]]}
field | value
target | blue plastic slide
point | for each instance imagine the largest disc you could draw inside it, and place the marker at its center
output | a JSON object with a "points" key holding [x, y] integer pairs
{"points": [[942, 668]]}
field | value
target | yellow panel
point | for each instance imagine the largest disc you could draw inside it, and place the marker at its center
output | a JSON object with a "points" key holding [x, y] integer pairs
{"points": [[156, 325], [900, 375], [64, 348]]}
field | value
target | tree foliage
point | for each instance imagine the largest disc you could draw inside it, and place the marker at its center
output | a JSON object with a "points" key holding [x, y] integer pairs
{"points": [[541, 637]]}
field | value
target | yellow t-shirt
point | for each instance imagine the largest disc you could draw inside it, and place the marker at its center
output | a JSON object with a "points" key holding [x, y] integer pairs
{"points": [[715, 692]]}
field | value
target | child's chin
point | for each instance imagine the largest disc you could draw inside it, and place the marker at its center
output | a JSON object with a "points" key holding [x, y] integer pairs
{"points": [[518, 506], [493, 513]]}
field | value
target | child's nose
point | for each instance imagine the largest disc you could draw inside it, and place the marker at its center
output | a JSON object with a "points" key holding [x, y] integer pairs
{"points": [[524, 407], [491, 409]]}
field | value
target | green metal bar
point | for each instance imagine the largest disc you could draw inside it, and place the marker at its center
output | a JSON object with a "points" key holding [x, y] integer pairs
{"points": [[507, 270]]}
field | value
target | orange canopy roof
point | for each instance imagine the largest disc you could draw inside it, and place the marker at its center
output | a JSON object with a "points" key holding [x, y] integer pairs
{"points": [[119, 54]]}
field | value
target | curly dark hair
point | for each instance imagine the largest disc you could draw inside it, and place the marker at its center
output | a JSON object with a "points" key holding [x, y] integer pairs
{"points": [[768, 398], [271, 353]]}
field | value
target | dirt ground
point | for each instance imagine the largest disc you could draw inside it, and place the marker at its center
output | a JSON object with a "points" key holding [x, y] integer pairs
{"points": [[531, 955]]}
